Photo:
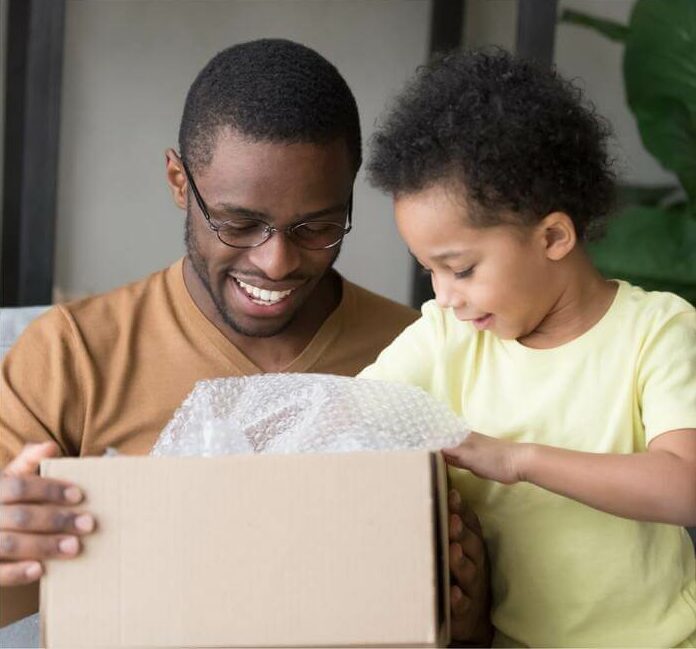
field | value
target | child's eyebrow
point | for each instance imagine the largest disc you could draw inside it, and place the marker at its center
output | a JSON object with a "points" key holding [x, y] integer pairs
{"points": [[449, 254]]}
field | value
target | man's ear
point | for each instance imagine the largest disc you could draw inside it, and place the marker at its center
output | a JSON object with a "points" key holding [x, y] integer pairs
{"points": [[176, 178], [558, 235]]}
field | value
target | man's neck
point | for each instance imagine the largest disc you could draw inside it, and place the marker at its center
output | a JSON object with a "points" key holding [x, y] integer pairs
{"points": [[273, 353]]}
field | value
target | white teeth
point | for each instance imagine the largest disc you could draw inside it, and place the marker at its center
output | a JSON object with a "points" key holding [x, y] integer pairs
{"points": [[262, 295]]}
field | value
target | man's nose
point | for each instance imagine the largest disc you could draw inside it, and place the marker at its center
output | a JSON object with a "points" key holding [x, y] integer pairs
{"points": [[277, 258]]}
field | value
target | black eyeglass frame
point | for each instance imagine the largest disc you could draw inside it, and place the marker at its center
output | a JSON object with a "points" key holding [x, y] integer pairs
{"points": [[269, 230]]}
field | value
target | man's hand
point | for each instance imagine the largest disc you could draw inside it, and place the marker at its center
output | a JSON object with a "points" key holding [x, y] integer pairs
{"points": [[470, 590], [37, 521]]}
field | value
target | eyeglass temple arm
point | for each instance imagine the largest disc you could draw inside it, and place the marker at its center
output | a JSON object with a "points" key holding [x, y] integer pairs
{"points": [[196, 194]]}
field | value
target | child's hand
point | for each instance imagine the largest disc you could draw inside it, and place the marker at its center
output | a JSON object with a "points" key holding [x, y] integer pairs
{"points": [[490, 458]]}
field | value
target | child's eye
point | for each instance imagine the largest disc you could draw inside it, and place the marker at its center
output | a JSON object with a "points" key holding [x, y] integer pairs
{"points": [[467, 272]]}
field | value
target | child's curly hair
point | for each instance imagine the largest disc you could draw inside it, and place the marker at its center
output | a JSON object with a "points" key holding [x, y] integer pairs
{"points": [[515, 137]]}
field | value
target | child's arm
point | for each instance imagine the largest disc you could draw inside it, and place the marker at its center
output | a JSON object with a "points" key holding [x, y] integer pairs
{"points": [[658, 485]]}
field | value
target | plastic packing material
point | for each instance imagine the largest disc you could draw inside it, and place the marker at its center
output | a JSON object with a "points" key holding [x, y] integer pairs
{"points": [[304, 413]]}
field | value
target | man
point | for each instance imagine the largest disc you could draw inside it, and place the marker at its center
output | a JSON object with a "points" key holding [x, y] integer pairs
{"points": [[269, 146]]}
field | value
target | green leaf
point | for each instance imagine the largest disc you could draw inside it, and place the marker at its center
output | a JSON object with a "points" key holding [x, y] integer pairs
{"points": [[609, 28], [660, 76], [650, 247]]}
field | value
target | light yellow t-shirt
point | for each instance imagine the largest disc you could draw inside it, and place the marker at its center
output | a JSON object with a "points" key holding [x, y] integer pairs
{"points": [[564, 574]]}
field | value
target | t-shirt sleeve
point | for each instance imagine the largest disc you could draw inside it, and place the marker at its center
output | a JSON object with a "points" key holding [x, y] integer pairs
{"points": [[40, 396], [411, 357], [667, 377]]}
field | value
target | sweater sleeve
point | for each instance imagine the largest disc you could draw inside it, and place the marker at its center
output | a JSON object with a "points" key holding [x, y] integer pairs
{"points": [[40, 394]]}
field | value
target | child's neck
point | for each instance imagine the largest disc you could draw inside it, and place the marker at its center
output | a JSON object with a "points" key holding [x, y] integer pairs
{"points": [[582, 298]]}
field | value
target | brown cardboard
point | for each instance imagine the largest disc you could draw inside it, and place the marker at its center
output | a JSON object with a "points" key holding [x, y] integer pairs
{"points": [[255, 551]]}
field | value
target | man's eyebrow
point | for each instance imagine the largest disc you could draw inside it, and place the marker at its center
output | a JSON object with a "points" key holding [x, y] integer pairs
{"points": [[245, 212]]}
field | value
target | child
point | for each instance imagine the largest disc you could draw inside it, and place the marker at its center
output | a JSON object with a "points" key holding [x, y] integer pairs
{"points": [[584, 387]]}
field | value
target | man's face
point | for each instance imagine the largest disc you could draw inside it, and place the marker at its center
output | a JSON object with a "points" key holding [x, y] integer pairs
{"points": [[259, 291]]}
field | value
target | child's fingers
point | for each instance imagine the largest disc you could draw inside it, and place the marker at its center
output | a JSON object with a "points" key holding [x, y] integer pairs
{"points": [[453, 457], [459, 455]]}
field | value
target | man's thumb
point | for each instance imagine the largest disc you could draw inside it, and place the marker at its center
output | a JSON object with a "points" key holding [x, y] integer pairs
{"points": [[30, 457]]}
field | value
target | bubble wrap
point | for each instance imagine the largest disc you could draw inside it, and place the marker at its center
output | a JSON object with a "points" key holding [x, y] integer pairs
{"points": [[301, 413]]}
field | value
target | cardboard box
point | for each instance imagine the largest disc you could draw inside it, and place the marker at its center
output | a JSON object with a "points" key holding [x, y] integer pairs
{"points": [[255, 551]]}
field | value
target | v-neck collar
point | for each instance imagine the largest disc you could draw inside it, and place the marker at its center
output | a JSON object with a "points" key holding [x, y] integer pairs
{"points": [[308, 357]]}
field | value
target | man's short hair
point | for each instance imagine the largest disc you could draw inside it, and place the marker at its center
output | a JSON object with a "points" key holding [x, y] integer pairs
{"points": [[271, 90]]}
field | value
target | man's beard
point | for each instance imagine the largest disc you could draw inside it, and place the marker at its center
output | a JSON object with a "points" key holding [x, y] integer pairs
{"points": [[225, 314]]}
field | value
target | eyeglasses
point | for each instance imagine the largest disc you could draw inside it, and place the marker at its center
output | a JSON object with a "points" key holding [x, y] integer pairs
{"points": [[251, 233]]}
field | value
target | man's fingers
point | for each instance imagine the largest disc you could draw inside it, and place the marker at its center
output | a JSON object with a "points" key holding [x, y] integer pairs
{"points": [[462, 568], [17, 573], [456, 527], [43, 518], [454, 501], [33, 489], [469, 593], [15, 546], [471, 520], [30, 457], [460, 604], [465, 529], [456, 506], [461, 533], [474, 550]]}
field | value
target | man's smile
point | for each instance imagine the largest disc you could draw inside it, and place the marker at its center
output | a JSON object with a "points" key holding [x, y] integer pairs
{"points": [[261, 295]]}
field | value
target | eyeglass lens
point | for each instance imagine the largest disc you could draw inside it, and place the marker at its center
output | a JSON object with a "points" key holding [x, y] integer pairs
{"points": [[249, 233]]}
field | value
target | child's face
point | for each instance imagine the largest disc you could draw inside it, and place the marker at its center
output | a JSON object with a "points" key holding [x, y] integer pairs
{"points": [[499, 277]]}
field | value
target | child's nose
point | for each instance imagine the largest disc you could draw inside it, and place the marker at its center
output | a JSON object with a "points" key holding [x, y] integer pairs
{"points": [[446, 294]]}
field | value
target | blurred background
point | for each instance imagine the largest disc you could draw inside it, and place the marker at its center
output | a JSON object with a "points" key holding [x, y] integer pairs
{"points": [[94, 89]]}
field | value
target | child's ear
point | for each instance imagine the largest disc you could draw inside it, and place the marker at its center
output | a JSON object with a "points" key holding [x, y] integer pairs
{"points": [[558, 232]]}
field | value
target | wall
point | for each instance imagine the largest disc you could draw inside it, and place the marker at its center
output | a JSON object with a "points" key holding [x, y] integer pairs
{"points": [[128, 65]]}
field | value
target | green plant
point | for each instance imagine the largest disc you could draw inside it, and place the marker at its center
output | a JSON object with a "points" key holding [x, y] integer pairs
{"points": [[651, 241]]}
